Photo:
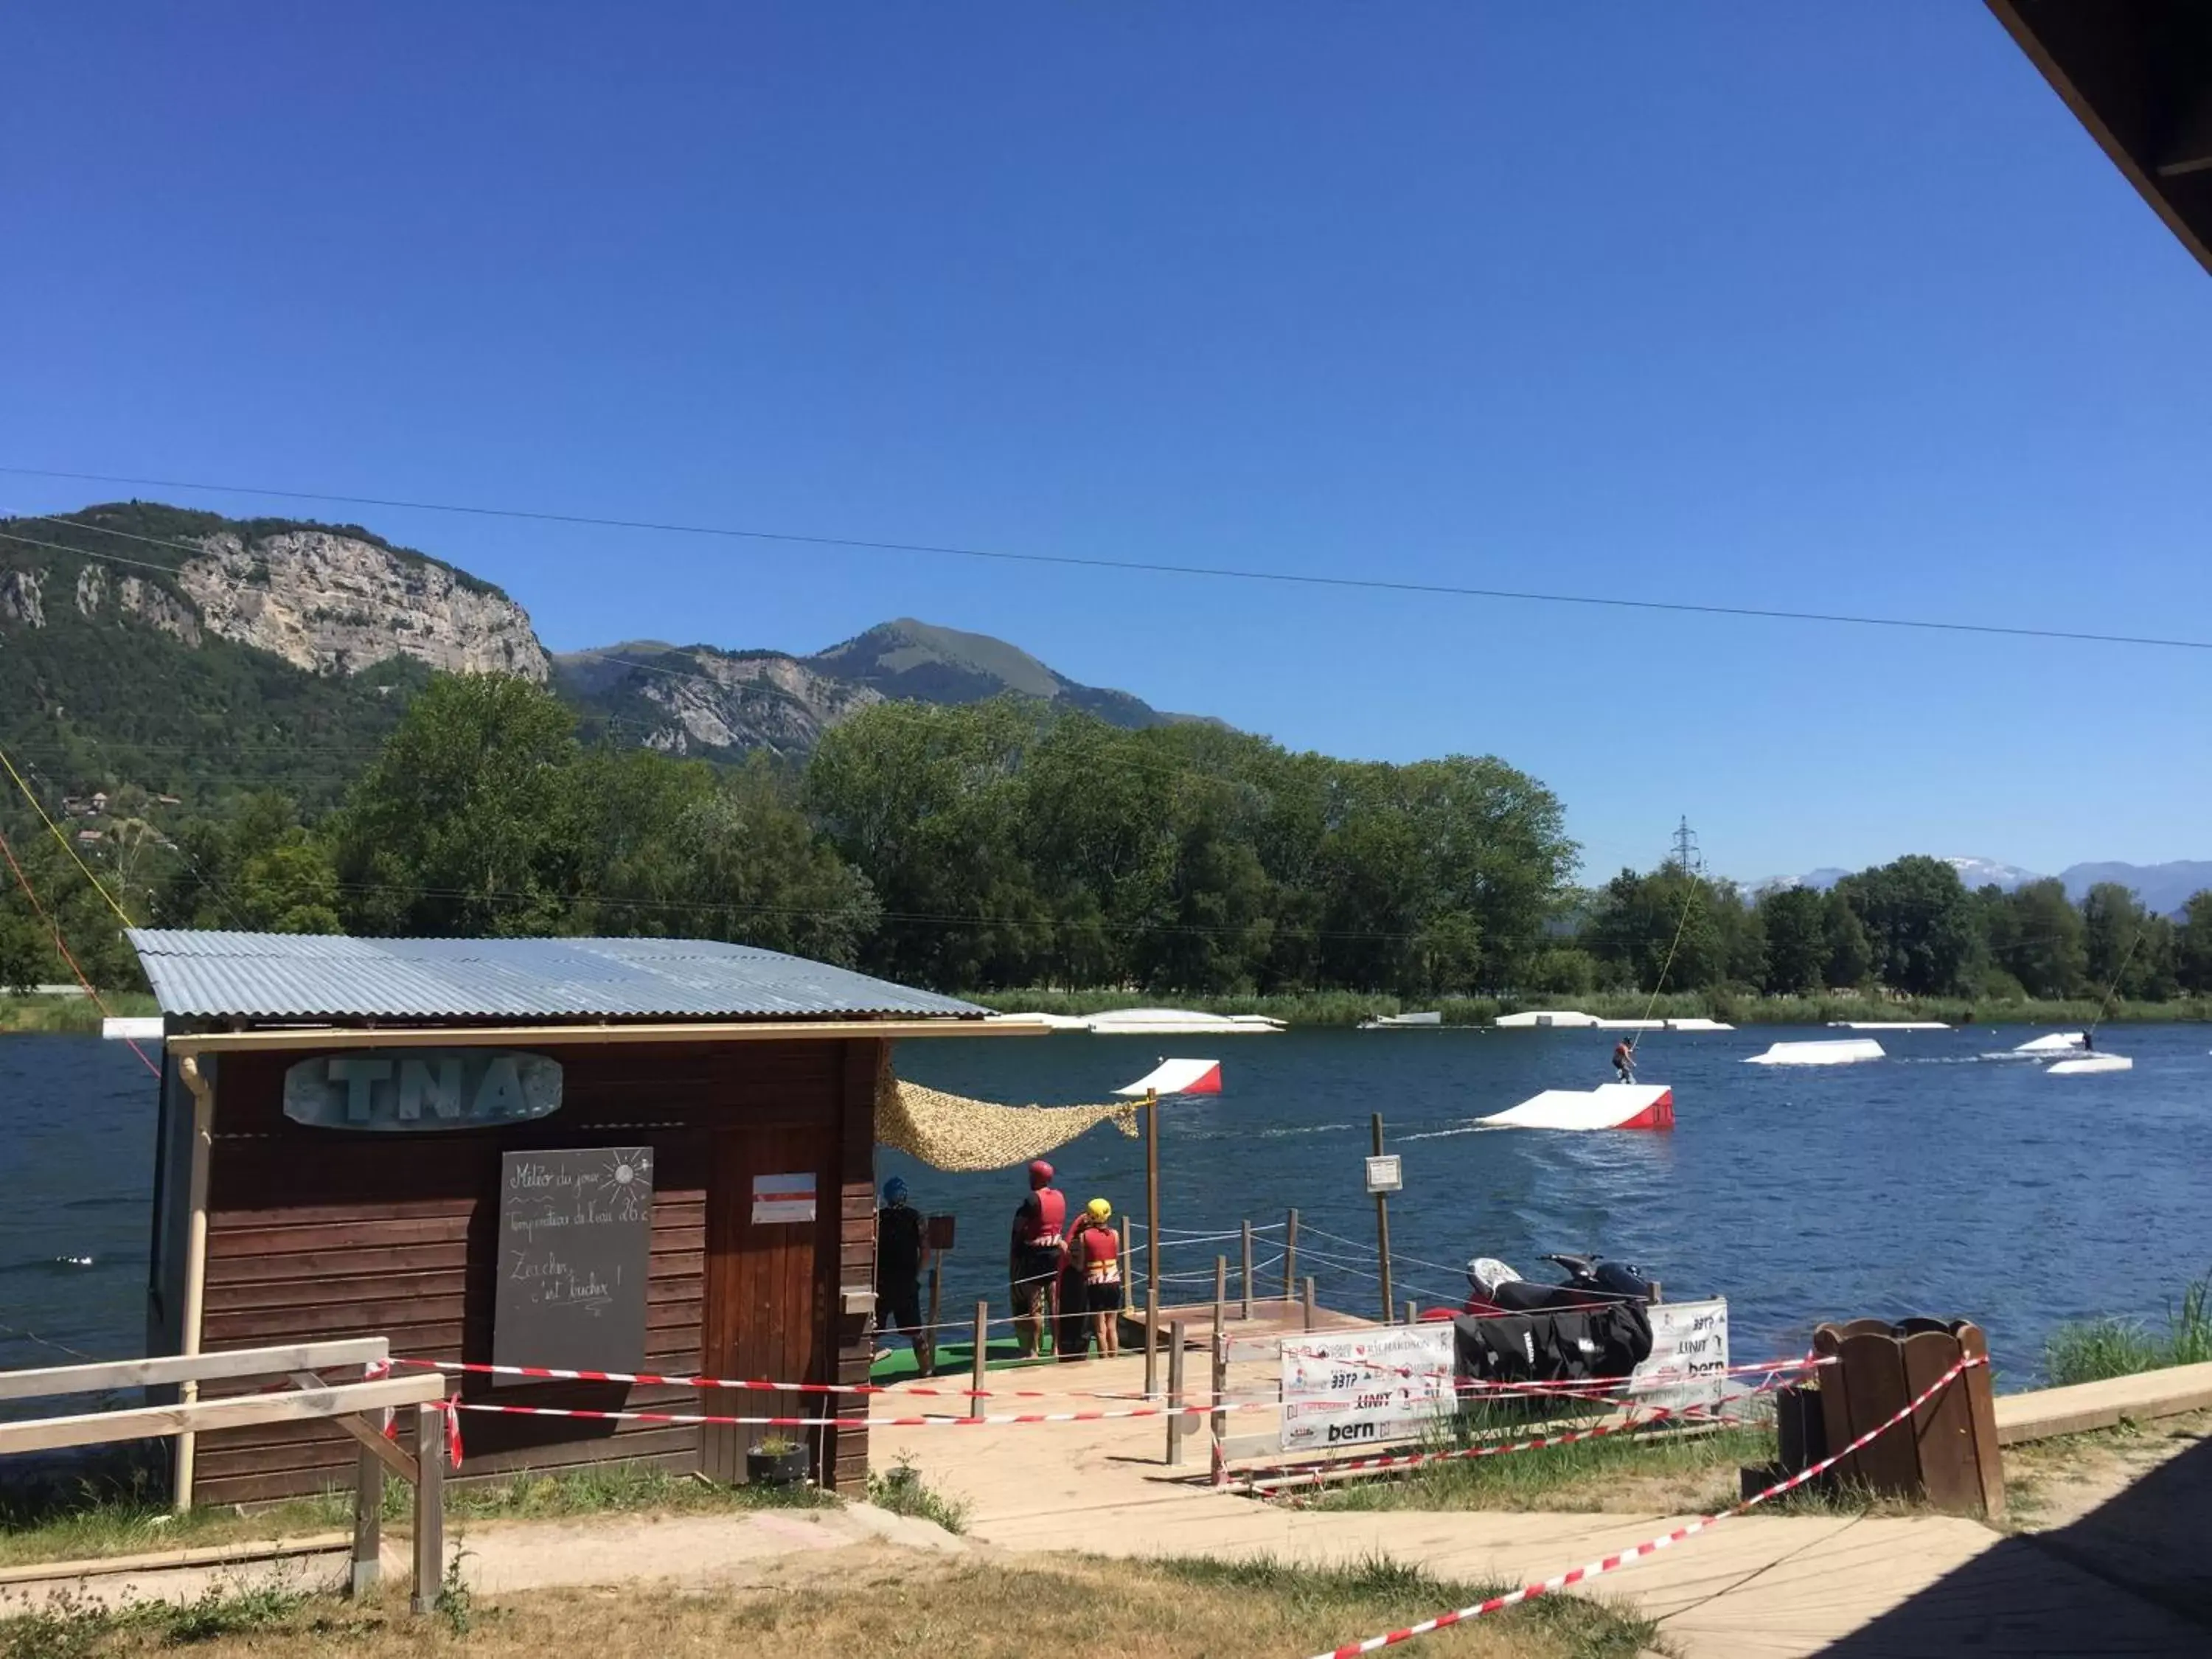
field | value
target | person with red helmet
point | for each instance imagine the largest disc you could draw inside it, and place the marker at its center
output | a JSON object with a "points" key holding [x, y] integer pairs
{"points": [[1033, 1262]]}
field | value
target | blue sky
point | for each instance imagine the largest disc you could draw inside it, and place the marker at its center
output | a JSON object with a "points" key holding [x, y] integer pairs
{"points": [[1831, 308]]}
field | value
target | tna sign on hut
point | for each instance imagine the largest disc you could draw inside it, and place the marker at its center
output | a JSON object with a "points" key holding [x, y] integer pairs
{"points": [[432, 1089]]}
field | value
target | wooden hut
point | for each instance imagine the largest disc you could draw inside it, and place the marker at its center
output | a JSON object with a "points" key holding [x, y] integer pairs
{"points": [[621, 1155]]}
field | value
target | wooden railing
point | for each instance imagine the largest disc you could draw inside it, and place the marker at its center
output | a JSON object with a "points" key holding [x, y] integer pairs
{"points": [[362, 1408]]}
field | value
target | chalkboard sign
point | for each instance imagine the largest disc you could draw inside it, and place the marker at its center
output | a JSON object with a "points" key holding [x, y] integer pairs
{"points": [[574, 1231]]}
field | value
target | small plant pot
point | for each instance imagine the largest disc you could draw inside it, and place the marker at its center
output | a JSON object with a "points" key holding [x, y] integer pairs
{"points": [[776, 1468]]}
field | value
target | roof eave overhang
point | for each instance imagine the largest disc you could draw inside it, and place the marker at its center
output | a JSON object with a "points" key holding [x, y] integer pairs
{"points": [[284, 1037]]}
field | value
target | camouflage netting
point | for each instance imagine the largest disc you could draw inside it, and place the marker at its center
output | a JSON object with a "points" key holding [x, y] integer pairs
{"points": [[953, 1132]]}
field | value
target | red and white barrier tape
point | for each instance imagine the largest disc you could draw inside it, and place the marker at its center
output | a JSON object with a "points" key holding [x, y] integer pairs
{"points": [[549, 1373], [376, 1369], [943, 1422], [1611, 1562]]}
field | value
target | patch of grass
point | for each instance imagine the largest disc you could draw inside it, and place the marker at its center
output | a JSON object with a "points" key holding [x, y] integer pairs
{"points": [[613, 1488], [74, 1016], [2102, 1348], [65, 1626], [903, 1491], [1653, 1473], [911, 1604], [1350, 1007]]}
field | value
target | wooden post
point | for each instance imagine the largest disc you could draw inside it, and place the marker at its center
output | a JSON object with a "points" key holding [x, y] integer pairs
{"points": [[983, 1358], [1151, 1240], [202, 1089], [1382, 1225], [1220, 1293], [1412, 1313], [368, 1517], [429, 1506], [936, 1301], [1129, 1267], [1247, 1281], [1291, 1258], [1309, 1302], [1218, 1423], [1174, 1393]]}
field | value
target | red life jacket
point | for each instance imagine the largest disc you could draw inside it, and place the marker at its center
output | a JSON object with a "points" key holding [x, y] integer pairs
{"points": [[1101, 1255], [1042, 1229]]}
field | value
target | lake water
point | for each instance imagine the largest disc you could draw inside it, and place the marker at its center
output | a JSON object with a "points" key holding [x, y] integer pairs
{"points": [[1935, 1182]]}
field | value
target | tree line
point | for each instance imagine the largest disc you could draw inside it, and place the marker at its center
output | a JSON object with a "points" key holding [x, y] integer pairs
{"points": [[1910, 927], [1005, 844]]}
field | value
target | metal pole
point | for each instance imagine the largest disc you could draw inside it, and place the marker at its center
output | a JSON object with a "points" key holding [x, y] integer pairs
{"points": [[1175, 1392], [981, 1358], [1382, 1225], [1291, 1258], [1247, 1281], [1151, 1240], [1412, 1313]]}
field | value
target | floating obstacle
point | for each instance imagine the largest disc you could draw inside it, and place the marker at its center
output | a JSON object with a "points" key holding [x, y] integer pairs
{"points": [[2058, 1043], [1608, 1106], [1432, 1021], [132, 1029], [1546, 1019], [2091, 1063], [1697, 1024], [1887, 1025], [1178, 1022], [1177, 1076], [1833, 1051]]}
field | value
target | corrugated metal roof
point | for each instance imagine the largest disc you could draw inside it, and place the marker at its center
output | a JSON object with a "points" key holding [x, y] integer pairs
{"points": [[337, 978]]}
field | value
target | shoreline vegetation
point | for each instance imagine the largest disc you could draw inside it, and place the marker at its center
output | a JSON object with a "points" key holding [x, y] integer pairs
{"points": [[78, 1017], [1348, 1008]]}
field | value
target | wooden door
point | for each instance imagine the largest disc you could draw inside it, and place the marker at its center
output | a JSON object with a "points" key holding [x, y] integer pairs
{"points": [[768, 1289]]}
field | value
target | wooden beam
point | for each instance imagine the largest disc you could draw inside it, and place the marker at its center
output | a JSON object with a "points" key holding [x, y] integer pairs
{"points": [[205, 1416], [192, 1367], [370, 1432], [318, 1037]]}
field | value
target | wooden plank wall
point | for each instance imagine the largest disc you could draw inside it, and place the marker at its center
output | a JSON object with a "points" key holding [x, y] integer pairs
{"points": [[314, 1233]]}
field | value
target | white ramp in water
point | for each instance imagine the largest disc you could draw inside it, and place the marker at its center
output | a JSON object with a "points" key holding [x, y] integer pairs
{"points": [[130, 1028], [2058, 1043], [2092, 1063], [1178, 1077], [1837, 1051], [1563, 1018], [1608, 1106], [1887, 1025], [1697, 1023]]}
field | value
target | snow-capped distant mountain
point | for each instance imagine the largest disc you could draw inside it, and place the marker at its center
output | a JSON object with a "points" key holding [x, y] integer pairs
{"points": [[2163, 888], [1974, 872], [1984, 873]]}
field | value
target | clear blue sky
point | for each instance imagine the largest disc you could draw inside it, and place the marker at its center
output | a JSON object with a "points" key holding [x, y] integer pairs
{"points": [[1830, 308]]}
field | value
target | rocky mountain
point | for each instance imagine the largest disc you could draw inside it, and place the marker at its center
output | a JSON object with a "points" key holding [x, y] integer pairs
{"points": [[187, 652], [700, 700]]}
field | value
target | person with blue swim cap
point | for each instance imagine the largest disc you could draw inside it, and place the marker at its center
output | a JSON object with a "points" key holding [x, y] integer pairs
{"points": [[901, 1252]]}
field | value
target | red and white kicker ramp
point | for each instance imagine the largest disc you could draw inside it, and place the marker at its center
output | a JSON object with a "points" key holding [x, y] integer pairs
{"points": [[1608, 1106]]}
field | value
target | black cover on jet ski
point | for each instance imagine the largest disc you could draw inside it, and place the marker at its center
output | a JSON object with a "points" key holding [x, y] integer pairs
{"points": [[1557, 1345]]}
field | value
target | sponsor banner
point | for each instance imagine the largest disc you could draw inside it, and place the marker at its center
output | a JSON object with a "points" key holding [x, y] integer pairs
{"points": [[779, 1199], [1365, 1388], [1689, 1362]]}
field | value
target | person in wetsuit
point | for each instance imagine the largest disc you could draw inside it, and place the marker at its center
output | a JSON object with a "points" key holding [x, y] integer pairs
{"points": [[902, 1251], [1624, 1059]]}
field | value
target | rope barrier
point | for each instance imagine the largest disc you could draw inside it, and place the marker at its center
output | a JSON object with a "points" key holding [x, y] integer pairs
{"points": [[1625, 1558]]}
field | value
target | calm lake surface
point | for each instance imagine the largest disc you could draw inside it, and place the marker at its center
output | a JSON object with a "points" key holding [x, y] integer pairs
{"points": [[1937, 1182]]}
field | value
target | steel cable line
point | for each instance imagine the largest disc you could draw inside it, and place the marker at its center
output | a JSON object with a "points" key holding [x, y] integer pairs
{"points": [[1147, 567]]}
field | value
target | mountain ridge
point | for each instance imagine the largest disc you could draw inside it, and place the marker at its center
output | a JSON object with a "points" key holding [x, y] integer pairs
{"points": [[2164, 888]]}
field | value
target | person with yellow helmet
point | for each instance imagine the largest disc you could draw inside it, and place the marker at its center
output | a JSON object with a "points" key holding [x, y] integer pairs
{"points": [[1095, 1256]]}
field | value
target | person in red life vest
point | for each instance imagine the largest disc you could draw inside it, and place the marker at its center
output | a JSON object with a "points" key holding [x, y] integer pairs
{"points": [[1033, 1262], [1096, 1253], [1624, 1059]]}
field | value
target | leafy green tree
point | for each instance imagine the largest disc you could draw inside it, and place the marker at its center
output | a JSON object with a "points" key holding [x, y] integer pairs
{"points": [[1920, 922], [1850, 955], [466, 824], [2037, 936], [1663, 931], [1797, 948], [2193, 946], [291, 886]]}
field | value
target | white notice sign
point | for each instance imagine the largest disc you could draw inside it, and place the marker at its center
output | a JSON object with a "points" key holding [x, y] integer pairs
{"points": [[779, 1198], [1364, 1387], [1689, 1359]]}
